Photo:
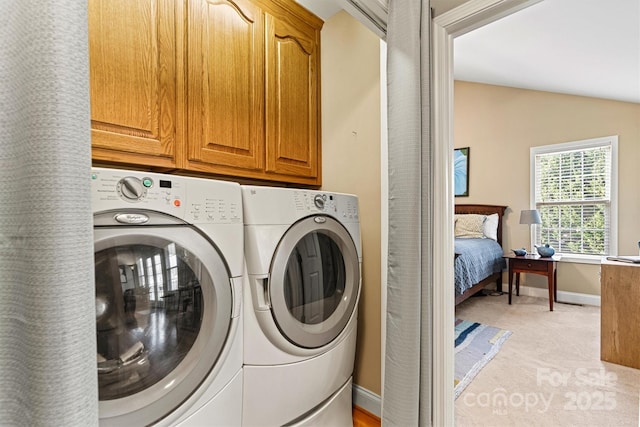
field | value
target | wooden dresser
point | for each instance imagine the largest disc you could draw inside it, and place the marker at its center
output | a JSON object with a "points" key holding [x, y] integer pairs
{"points": [[620, 313]]}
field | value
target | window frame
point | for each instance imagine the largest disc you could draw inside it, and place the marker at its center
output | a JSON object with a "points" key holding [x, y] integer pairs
{"points": [[613, 208]]}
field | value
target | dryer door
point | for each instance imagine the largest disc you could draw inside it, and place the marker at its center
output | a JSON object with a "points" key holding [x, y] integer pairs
{"points": [[314, 281], [163, 313]]}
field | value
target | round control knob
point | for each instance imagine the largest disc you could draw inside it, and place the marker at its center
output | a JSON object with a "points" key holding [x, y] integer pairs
{"points": [[319, 201], [131, 189]]}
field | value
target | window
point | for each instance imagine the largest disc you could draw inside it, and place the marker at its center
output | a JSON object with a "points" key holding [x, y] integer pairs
{"points": [[574, 186], [172, 266]]}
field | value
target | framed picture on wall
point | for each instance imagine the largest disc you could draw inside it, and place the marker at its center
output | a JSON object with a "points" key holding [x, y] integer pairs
{"points": [[461, 171]]}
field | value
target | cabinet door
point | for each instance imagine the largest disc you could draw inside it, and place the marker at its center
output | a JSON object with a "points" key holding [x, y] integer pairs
{"points": [[225, 85], [292, 97], [132, 52]]}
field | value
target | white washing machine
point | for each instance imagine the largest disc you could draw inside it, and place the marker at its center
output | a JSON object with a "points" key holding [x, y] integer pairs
{"points": [[303, 255], [169, 264]]}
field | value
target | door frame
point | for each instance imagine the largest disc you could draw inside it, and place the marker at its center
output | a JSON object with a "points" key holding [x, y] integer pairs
{"points": [[456, 22]]}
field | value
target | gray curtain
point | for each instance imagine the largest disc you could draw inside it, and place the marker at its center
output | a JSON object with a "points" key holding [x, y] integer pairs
{"points": [[47, 314], [407, 383]]}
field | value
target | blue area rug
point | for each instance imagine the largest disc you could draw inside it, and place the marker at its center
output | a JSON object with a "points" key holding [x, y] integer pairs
{"points": [[475, 345]]}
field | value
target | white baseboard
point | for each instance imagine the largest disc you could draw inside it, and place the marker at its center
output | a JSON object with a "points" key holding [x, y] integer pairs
{"points": [[563, 296], [367, 400]]}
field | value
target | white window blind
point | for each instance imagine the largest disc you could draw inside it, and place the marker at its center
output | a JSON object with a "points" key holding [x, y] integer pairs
{"points": [[574, 192]]}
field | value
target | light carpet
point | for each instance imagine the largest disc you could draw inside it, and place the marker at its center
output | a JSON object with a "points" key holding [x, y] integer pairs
{"points": [[475, 345], [549, 369]]}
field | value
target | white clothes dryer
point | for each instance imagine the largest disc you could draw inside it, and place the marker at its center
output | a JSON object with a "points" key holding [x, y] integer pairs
{"points": [[303, 256], [169, 264]]}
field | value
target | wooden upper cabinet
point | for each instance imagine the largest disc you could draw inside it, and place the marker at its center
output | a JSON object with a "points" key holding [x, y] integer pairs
{"points": [[132, 51], [220, 87], [225, 85], [292, 107]]}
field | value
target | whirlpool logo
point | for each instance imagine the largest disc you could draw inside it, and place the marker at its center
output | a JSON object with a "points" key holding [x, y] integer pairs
{"points": [[132, 218]]}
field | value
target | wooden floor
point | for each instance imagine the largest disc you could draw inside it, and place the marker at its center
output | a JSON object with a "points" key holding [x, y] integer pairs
{"points": [[363, 418]]}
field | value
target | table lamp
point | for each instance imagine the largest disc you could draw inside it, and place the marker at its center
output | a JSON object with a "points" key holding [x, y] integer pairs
{"points": [[530, 217]]}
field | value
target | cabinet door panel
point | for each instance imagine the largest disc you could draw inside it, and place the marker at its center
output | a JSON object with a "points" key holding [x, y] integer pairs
{"points": [[225, 57], [292, 99], [132, 72]]}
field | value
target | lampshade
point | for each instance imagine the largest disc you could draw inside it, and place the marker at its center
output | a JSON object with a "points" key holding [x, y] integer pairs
{"points": [[530, 217]]}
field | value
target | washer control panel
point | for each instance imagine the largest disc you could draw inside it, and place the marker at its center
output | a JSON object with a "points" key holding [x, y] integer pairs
{"points": [[133, 189], [319, 200], [195, 200]]}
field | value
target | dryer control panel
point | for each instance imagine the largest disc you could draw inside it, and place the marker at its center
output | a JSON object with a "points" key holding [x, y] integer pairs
{"points": [[272, 205], [342, 206], [195, 200]]}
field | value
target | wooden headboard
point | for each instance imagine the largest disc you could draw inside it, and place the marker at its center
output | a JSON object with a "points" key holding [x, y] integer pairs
{"points": [[484, 210]]}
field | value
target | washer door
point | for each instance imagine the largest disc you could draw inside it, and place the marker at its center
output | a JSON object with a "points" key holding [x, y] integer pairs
{"points": [[163, 314], [314, 281]]}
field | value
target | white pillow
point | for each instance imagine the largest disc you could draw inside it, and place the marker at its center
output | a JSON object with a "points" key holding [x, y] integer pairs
{"points": [[469, 226], [490, 227]]}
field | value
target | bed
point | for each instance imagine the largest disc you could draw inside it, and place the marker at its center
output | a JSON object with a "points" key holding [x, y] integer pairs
{"points": [[478, 249]]}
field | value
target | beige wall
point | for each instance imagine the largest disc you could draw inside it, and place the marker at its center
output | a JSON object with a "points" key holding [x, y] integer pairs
{"points": [[351, 162], [500, 124]]}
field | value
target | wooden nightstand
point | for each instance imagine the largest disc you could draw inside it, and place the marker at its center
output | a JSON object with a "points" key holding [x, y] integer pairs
{"points": [[534, 264]]}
